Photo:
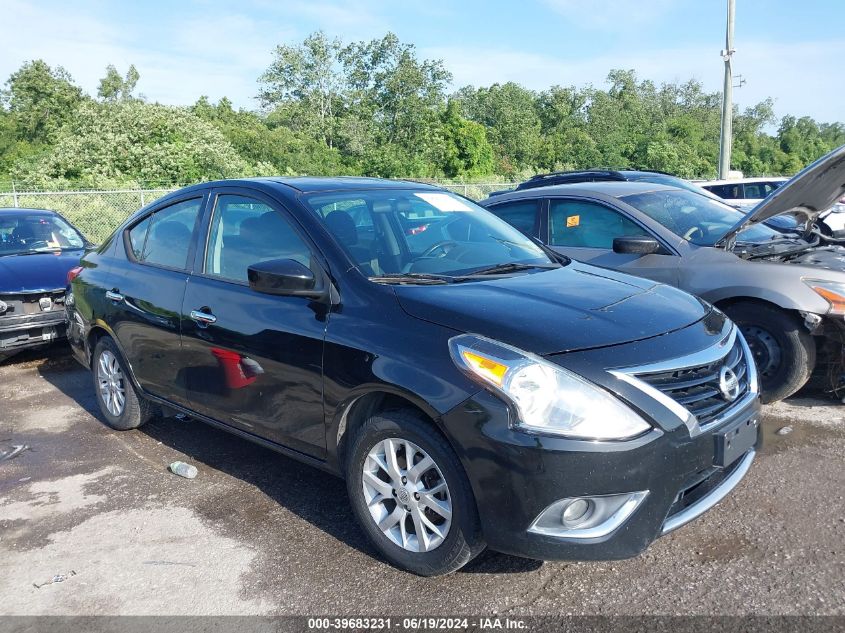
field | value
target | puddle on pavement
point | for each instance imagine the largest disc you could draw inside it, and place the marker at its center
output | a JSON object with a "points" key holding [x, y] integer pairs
{"points": [[802, 434]]}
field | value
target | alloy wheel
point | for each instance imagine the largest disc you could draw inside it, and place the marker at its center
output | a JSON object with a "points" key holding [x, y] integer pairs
{"points": [[111, 382], [407, 495]]}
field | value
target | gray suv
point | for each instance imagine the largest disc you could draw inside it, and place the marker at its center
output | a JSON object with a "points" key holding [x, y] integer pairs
{"points": [[786, 291]]}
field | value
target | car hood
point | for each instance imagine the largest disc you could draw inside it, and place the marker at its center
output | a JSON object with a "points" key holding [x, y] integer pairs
{"points": [[810, 192], [572, 308], [34, 273]]}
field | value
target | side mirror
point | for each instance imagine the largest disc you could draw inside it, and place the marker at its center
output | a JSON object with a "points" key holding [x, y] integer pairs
{"points": [[284, 277], [635, 245]]}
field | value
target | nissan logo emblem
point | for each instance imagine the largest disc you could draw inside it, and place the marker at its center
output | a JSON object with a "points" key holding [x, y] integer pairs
{"points": [[728, 384]]}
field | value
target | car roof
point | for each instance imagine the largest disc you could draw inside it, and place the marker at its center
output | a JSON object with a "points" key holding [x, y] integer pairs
{"points": [[613, 189], [17, 210], [740, 181], [308, 184]]}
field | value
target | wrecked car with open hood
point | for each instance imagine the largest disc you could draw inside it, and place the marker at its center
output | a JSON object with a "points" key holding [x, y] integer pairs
{"points": [[785, 289]]}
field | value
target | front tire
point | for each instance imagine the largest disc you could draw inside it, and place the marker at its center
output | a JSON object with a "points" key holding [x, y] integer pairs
{"points": [[784, 351], [411, 496], [121, 405]]}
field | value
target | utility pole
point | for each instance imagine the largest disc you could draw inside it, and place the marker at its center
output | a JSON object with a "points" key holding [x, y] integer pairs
{"points": [[727, 97]]}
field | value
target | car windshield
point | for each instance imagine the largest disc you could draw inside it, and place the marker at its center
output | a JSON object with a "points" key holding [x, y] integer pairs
{"points": [[672, 181], [697, 219], [24, 233], [423, 233]]}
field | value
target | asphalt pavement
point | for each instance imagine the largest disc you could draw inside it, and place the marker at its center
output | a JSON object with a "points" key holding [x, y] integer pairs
{"points": [[93, 523]]}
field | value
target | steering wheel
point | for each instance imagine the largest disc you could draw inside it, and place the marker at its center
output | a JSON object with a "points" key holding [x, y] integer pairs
{"points": [[445, 245], [692, 231]]}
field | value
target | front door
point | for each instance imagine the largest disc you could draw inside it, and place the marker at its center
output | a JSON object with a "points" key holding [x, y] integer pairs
{"points": [[584, 230], [251, 360]]}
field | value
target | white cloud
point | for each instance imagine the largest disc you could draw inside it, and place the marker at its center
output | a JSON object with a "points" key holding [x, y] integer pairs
{"points": [[220, 55], [797, 75], [223, 49]]}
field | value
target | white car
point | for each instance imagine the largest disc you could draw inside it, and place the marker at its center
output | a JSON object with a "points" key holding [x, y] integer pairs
{"points": [[834, 219], [743, 193]]}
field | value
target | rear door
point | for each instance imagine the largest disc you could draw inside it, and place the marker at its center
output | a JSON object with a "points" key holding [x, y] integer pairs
{"points": [[585, 230], [146, 291], [251, 360]]}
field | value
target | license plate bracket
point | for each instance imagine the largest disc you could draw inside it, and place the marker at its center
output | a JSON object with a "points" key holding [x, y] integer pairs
{"points": [[734, 441]]}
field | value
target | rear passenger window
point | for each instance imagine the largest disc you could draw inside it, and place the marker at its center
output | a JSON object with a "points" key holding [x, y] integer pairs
{"points": [[588, 225], [164, 238], [245, 231], [728, 192], [520, 215]]}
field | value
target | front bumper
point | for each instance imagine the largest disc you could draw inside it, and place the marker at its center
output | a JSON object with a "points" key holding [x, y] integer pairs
{"points": [[31, 330], [516, 476]]}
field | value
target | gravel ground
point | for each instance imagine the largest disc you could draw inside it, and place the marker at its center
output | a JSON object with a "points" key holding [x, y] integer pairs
{"points": [[256, 533]]}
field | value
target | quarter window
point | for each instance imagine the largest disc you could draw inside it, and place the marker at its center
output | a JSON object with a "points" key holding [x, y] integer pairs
{"points": [[588, 225], [164, 238], [245, 231], [520, 215]]}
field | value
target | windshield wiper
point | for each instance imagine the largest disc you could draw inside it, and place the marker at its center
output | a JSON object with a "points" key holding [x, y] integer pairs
{"points": [[501, 269], [33, 252], [412, 278]]}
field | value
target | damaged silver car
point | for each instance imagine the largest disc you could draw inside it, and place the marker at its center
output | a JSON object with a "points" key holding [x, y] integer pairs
{"points": [[785, 289]]}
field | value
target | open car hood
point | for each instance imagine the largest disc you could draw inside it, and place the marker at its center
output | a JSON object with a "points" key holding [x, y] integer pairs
{"points": [[810, 192]]}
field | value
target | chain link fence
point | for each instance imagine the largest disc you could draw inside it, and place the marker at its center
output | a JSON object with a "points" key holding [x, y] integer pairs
{"points": [[98, 213], [95, 213]]}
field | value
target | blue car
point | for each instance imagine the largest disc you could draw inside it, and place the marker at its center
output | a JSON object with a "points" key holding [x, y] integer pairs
{"points": [[38, 251]]}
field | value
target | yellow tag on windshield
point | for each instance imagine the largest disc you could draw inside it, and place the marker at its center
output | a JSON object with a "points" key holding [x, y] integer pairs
{"points": [[573, 220]]}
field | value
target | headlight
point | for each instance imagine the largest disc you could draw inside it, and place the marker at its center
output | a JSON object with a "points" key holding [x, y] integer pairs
{"points": [[831, 291], [547, 398]]}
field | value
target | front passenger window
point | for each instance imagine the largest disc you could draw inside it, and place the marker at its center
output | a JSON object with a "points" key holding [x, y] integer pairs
{"points": [[588, 225], [245, 231]]}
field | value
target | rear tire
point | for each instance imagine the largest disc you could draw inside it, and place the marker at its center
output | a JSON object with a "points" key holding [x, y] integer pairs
{"points": [[448, 519], [121, 405], [783, 349]]}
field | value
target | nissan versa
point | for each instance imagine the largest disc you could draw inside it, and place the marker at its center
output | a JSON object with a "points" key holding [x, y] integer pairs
{"points": [[473, 388]]}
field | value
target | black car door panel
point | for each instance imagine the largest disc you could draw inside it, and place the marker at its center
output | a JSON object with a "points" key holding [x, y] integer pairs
{"points": [[145, 295], [252, 360]]}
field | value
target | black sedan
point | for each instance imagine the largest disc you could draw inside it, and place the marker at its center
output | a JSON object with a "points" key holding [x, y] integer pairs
{"points": [[472, 387], [38, 248]]}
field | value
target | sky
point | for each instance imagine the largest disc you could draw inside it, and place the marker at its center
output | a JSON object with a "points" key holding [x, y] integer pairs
{"points": [[790, 51]]}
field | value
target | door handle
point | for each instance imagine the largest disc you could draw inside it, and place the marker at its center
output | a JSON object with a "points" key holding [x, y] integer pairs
{"points": [[203, 318], [114, 295]]}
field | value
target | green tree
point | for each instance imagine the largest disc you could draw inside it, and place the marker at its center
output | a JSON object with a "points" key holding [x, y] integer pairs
{"points": [[509, 113], [135, 142], [466, 152], [40, 99], [113, 87], [263, 140], [390, 85], [305, 84]]}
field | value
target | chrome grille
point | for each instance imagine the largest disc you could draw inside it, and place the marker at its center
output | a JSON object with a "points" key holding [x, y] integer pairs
{"points": [[697, 388]]}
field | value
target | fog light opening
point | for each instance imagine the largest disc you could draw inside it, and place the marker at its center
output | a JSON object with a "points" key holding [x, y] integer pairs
{"points": [[577, 512], [587, 517]]}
